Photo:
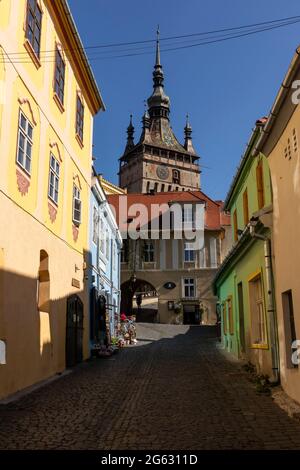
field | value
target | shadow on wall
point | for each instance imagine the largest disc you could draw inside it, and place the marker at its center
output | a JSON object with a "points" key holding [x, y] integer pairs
{"points": [[37, 333]]}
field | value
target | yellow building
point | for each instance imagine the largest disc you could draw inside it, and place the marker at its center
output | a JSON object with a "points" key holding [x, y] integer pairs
{"points": [[280, 143], [48, 97]]}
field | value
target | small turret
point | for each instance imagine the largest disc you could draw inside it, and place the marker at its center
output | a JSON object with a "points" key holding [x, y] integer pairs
{"points": [[188, 143], [130, 136]]}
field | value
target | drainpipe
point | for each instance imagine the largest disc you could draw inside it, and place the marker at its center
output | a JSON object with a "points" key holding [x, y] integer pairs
{"points": [[271, 304]]}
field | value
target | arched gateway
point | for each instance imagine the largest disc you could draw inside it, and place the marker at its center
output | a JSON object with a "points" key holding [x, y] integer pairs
{"points": [[140, 298]]}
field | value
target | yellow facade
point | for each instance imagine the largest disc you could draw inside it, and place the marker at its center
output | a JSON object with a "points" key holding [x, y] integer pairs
{"points": [[31, 222]]}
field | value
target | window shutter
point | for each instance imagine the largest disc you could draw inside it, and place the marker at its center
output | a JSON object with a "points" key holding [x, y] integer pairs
{"points": [[260, 185]]}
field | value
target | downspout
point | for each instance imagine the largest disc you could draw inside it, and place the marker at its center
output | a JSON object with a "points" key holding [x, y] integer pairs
{"points": [[271, 304]]}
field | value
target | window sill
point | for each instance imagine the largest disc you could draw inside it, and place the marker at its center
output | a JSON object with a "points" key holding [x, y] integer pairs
{"points": [[54, 204], [58, 102], [189, 264], [32, 54], [24, 171], [80, 142]]}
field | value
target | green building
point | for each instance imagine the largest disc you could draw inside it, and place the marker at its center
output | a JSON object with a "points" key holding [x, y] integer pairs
{"points": [[244, 281]]}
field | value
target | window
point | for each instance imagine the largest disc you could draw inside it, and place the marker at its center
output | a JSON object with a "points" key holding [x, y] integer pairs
{"points": [[24, 151], [107, 245], [246, 207], [213, 252], [59, 78], [79, 118], [235, 227], [124, 252], [53, 179], [189, 252], [162, 188], [76, 206], [189, 287], [260, 185], [203, 258], [188, 216], [148, 252], [295, 142], [258, 324], [176, 176], [102, 235], [33, 25], [289, 326], [95, 225]]}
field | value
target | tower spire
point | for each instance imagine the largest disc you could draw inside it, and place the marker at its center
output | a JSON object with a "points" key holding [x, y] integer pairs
{"points": [[157, 61], [159, 102]]}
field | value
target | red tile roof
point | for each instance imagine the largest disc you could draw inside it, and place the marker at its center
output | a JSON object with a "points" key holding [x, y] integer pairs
{"points": [[215, 218]]}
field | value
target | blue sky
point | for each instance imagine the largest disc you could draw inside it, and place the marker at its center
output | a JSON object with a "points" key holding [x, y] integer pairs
{"points": [[224, 87]]}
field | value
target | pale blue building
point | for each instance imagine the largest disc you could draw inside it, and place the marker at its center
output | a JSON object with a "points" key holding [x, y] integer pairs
{"points": [[104, 265]]}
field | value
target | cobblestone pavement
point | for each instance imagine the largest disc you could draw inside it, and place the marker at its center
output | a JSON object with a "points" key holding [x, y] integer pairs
{"points": [[176, 392]]}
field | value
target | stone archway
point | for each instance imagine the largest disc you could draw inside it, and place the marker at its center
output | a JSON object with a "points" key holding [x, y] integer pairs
{"points": [[139, 298]]}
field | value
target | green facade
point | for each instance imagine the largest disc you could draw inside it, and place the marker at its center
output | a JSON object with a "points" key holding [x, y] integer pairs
{"points": [[243, 271]]}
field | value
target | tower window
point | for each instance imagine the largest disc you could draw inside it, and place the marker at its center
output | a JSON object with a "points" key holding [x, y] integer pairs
{"points": [[176, 176]]}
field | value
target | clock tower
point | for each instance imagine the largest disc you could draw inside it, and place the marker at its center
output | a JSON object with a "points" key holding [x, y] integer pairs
{"points": [[158, 162]]}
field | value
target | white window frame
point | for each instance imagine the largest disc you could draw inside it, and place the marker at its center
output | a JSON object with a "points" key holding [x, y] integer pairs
{"points": [[186, 283], [54, 171], [189, 252], [78, 209], [188, 216], [28, 143], [149, 251]]}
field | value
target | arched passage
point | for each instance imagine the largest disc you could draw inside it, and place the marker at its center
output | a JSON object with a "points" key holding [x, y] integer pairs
{"points": [[139, 298]]}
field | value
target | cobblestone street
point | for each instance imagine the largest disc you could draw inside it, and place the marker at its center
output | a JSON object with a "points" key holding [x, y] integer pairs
{"points": [[174, 390]]}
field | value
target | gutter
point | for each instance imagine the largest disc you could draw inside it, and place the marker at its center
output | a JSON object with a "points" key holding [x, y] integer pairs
{"points": [[279, 100]]}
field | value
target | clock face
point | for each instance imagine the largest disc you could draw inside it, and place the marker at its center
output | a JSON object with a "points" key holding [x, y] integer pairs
{"points": [[162, 172]]}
